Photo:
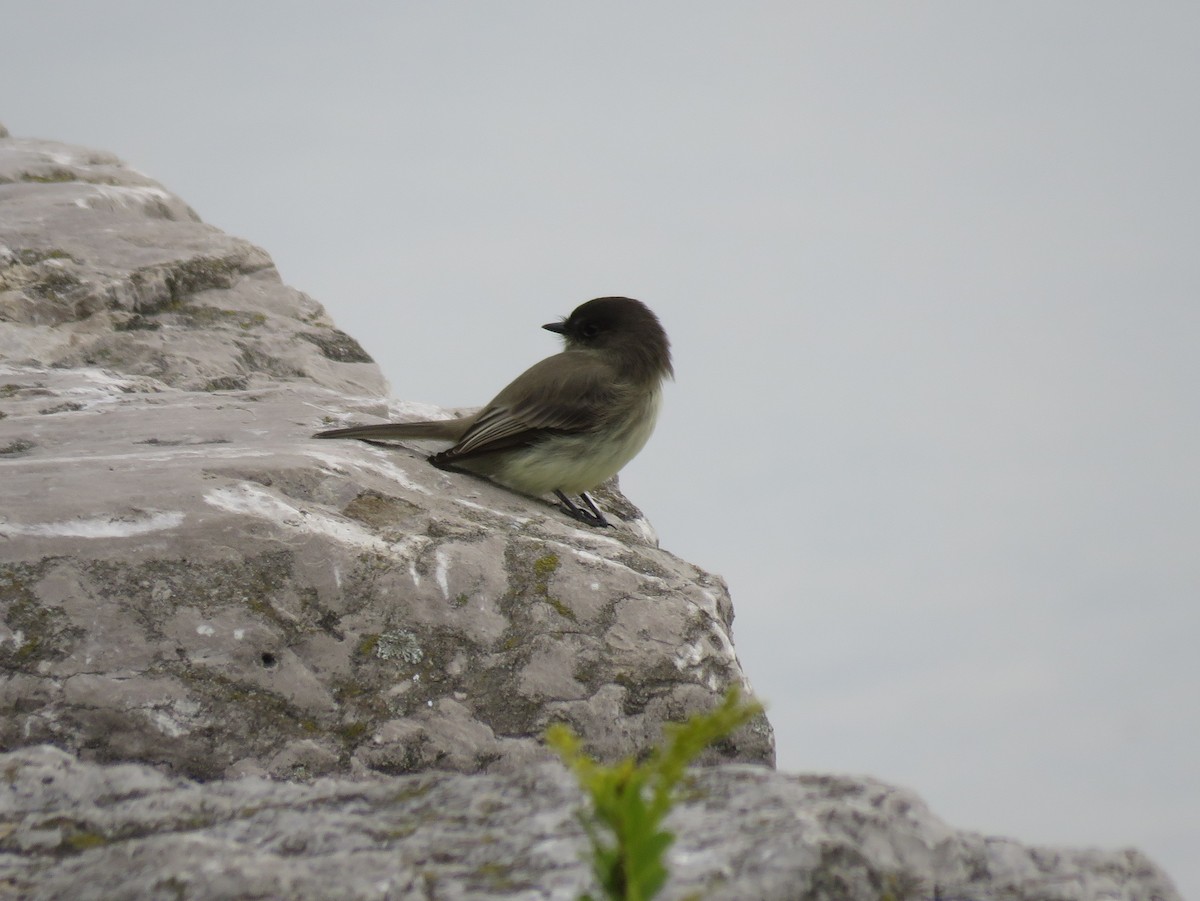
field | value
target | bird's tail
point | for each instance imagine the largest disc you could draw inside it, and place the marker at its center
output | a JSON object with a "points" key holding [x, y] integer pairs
{"points": [[448, 429]]}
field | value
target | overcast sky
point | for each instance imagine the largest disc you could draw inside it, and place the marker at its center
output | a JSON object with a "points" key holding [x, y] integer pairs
{"points": [[932, 276]]}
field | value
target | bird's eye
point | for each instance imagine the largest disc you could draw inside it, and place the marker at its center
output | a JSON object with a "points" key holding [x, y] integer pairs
{"points": [[589, 330]]}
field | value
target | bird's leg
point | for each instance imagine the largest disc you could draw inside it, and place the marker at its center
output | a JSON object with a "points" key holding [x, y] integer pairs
{"points": [[598, 516], [592, 516]]}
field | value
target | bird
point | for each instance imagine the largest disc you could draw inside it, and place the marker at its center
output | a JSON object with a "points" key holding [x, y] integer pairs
{"points": [[570, 421]]}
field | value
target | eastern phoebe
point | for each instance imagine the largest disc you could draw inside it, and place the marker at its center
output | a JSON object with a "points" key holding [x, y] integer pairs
{"points": [[567, 423]]}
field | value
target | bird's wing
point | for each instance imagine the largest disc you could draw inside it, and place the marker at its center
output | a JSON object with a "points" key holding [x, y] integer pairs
{"points": [[575, 399]]}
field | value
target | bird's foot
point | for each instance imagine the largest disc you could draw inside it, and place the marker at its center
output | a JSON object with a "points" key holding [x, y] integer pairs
{"points": [[591, 516]]}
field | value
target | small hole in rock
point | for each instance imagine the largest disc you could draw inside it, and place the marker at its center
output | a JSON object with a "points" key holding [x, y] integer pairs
{"points": [[269, 660]]}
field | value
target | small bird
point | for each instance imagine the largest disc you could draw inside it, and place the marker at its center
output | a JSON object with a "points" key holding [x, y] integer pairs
{"points": [[568, 423]]}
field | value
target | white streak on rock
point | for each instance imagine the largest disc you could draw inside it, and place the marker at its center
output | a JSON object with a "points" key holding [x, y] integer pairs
{"points": [[113, 526], [441, 573], [251, 500]]}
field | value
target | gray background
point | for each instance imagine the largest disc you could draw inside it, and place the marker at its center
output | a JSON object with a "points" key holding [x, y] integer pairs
{"points": [[932, 273]]}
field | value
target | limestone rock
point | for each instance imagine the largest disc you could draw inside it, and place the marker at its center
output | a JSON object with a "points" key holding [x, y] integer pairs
{"points": [[88, 832], [187, 578]]}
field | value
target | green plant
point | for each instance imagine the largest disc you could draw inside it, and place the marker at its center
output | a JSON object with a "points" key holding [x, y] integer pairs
{"points": [[630, 800]]}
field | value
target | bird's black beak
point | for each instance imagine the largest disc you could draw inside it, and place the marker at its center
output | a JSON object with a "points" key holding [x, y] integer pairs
{"points": [[557, 327]]}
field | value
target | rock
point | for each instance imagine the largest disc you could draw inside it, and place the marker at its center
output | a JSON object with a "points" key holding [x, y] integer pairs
{"points": [[188, 579], [85, 831]]}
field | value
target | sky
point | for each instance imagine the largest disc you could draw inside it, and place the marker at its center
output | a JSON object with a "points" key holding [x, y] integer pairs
{"points": [[931, 273]]}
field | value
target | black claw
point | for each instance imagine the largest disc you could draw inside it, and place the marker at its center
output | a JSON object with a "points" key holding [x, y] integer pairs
{"points": [[592, 516]]}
